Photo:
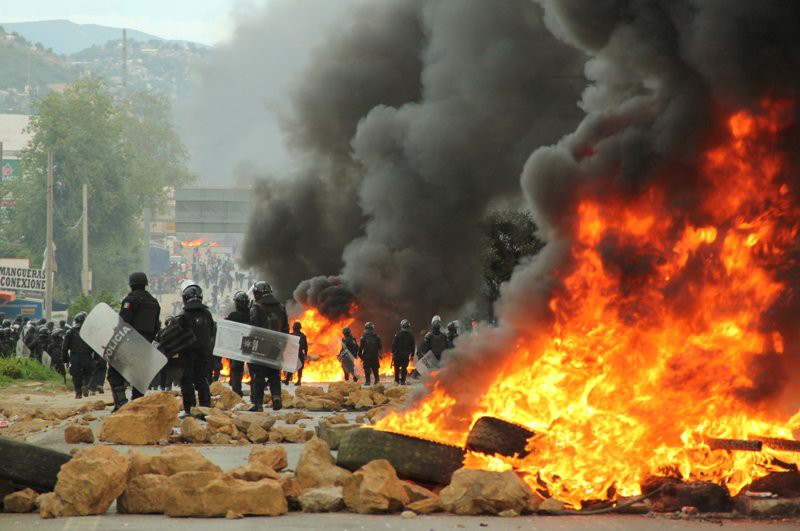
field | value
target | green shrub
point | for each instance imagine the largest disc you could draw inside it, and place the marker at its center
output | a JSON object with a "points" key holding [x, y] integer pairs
{"points": [[15, 369]]}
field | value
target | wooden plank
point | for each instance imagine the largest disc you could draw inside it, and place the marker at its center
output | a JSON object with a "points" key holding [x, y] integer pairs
{"points": [[786, 445], [739, 445]]}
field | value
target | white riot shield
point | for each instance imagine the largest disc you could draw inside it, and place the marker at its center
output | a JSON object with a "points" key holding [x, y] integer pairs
{"points": [[261, 346], [126, 350], [348, 362], [22, 350], [47, 360], [426, 363]]}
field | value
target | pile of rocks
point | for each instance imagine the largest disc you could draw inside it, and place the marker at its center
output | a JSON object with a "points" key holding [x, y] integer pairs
{"points": [[182, 482], [29, 420]]}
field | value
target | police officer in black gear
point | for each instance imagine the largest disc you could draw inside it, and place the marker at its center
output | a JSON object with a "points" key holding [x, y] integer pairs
{"points": [[452, 334], [56, 344], [435, 340], [78, 355], [240, 314], [266, 312], [370, 351], [351, 344], [403, 346], [196, 358], [142, 311], [302, 353], [40, 342]]}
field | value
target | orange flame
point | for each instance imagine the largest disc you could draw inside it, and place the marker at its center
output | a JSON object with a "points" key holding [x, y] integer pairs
{"points": [[325, 343], [225, 372], [649, 354], [197, 242]]}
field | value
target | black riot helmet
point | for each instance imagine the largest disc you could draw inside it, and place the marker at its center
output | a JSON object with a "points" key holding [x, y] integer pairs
{"points": [[296, 326], [261, 289], [79, 318], [451, 326], [241, 301], [369, 326], [62, 323], [346, 330], [41, 321], [191, 293], [137, 280], [50, 325], [42, 330], [405, 324]]}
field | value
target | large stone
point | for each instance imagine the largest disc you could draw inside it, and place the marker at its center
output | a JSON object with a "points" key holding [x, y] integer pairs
{"points": [[272, 456], [333, 433], [344, 388], [213, 494], [75, 433], [254, 471], [417, 493], [192, 431], [473, 492], [143, 421], [227, 399], [425, 506], [22, 501], [244, 420], [398, 392], [172, 460], [322, 500], [317, 468], [767, 507], [89, 482], [216, 388], [306, 391], [377, 413], [256, 434], [292, 434], [221, 424], [144, 494], [375, 488], [50, 505], [293, 416]]}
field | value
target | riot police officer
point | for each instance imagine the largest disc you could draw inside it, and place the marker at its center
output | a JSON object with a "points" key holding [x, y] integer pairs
{"points": [[240, 314], [196, 358], [76, 353], [56, 344], [403, 346], [369, 351], [142, 311], [435, 340], [302, 353], [452, 333], [266, 312]]}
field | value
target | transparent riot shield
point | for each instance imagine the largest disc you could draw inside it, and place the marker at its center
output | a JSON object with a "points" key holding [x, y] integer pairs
{"points": [[426, 363], [135, 358], [348, 361], [261, 346], [47, 360]]}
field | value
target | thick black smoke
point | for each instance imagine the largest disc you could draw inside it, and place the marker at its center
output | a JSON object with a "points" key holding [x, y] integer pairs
{"points": [[435, 126], [663, 75]]}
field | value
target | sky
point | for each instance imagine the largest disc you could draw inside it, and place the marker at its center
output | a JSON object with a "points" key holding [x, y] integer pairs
{"points": [[204, 21]]}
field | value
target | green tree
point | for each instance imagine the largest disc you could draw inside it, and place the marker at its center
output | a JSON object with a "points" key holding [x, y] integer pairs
{"points": [[126, 153], [510, 236]]}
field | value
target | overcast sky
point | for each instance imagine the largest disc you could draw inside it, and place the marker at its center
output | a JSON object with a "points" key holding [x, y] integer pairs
{"points": [[204, 21]]}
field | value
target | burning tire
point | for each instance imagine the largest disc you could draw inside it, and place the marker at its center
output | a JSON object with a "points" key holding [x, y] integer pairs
{"points": [[490, 435], [413, 458]]}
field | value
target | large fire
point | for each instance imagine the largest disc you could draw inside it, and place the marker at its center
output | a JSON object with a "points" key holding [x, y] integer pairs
{"points": [[654, 331], [325, 343]]}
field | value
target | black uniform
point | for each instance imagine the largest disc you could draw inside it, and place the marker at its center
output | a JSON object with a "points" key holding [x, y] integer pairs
{"points": [[436, 342], [302, 354], [403, 346], [352, 345], [142, 311], [78, 354], [451, 338], [267, 312], [40, 343], [370, 352], [237, 367], [56, 344], [197, 358]]}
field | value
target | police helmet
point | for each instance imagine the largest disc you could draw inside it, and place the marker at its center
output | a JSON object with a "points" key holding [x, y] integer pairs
{"points": [[79, 318], [62, 323], [41, 321], [296, 326], [169, 321], [346, 330], [137, 279], [241, 300], [186, 283], [369, 326], [50, 325], [261, 288], [6, 323], [405, 324], [436, 319], [193, 292], [451, 326], [42, 330]]}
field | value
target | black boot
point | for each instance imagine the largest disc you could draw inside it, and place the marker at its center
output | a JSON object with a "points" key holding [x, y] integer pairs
{"points": [[257, 396], [118, 393], [276, 403]]}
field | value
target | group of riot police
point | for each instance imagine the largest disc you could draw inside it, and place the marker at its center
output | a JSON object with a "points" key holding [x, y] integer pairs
{"points": [[404, 346]]}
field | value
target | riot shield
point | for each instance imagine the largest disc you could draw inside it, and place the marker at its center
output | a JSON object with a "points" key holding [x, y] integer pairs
{"points": [[348, 362], [261, 346], [126, 350], [426, 363], [47, 360], [22, 350]]}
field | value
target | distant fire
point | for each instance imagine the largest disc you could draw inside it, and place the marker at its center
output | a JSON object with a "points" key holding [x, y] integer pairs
{"points": [[197, 242], [225, 373], [655, 332]]}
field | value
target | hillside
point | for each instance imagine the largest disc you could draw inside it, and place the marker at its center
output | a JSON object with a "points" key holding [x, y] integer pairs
{"points": [[65, 37]]}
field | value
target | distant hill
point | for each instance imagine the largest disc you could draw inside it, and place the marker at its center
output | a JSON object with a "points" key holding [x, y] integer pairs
{"points": [[65, 37]]}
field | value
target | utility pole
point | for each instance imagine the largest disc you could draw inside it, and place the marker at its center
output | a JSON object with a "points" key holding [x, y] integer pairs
{"points": [[49, 257], [124, 64], [146, 215], [86, 280]]}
